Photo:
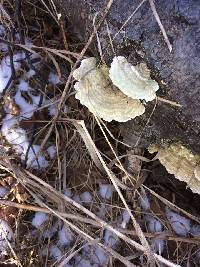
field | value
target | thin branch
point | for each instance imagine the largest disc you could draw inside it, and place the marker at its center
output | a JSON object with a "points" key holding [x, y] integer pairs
{"points": [[155, 13]]}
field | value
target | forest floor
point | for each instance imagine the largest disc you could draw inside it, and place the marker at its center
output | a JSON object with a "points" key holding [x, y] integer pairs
{"points": [[72, 193]]}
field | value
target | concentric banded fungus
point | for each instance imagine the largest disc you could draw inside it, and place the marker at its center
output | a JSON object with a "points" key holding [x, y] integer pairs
{"points": [[96, 91], [132, 82], [181, 162]]}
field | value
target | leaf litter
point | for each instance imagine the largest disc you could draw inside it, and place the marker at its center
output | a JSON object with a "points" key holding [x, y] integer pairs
{"points": [[74, 210]]}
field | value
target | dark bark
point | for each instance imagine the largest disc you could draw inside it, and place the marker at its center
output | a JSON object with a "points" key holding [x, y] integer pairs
{"points": [[178, 72]]}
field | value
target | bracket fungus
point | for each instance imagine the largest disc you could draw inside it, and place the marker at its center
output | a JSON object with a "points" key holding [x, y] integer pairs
{"points": [[181, 162], [96, 91], [132, 81]]}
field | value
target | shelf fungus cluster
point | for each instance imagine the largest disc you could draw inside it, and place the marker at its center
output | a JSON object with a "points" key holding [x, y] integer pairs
{"points": [[181, 162], [115, 93]]}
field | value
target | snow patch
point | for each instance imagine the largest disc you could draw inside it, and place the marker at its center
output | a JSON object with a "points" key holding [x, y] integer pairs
{"points": [[68, 192], [39, 219], [51, 150], [3, 191], [106, 191], [86, 197], [155, 226], [144, 200], [65, 236], [5, 233], [55, 252], [110, 239], [53, 78], [180, 224], [50, 232], [18, 138], [125, 219], [195, 230]]}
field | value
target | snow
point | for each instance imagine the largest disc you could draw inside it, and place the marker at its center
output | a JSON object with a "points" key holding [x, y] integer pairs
{"points": [[51, 150], [29, 74], [18, 138], [39, 219], [40, 162], [5, 233], [55, 252], [68, 192], [144, 200], [50, 232], [3, 191], [110, 238], [65, 236], [52, 109], [155, 226], [158, 245], [77, 199], [99, 256], [53, 78], [3, 46], [5, 69], [2, 30], [11, 129], [180, 224], [86, 197], [106, 191], [5, 74], [27, 109], [195, 230], [102, 211], [125, 219], [92, 256], [82, 262], [13, 133]]}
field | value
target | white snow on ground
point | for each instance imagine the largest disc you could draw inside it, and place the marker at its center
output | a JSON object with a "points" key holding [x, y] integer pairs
{"points": [[65, 236], [55, 252], [53, 78], [10, 129], [50, 231], [155, 226], [51, 150], [3, 191], [18, 138], [6, 233], [40, 162], [29, 74], [68, 192], [27, 109], [39, 219], [5, 69], [144, 200], [110, 239], [3, 46], [106, 191], [180, 224], [14, 134], [77, 199], [102, 210], [195, 230], [91, 255], [86, 197], [82, 261], [52, 110], [125, 219]]}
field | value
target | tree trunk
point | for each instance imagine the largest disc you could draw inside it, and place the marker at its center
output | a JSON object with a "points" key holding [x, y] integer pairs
{"points": [[141, 40]]}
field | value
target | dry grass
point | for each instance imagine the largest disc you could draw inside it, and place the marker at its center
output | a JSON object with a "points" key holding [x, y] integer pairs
{"points": [[88, 153]]}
